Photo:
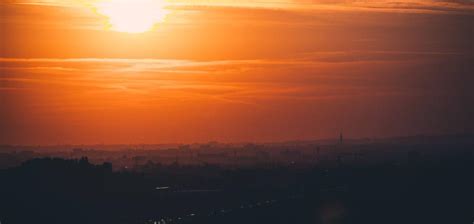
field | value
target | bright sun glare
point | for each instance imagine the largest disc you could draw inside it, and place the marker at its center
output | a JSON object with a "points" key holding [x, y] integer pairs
{"points": [[132, 16]]}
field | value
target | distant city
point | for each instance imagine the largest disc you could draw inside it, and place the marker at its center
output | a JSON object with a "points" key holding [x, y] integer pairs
{"points": [[426, 179], [295, 153]]}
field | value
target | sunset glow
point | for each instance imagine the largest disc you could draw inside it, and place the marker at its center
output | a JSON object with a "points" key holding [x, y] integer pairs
{"points": [[166, 71], [236, 111], [132, 16]]}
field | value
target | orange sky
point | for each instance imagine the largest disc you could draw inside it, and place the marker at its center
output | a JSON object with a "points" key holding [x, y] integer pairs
{"points": [[227, 71]]}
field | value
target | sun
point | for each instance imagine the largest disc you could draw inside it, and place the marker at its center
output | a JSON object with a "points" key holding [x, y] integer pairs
{"points": [[132, 16]]}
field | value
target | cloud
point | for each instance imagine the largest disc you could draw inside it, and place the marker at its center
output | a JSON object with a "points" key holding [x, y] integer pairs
{"points": [[415, 6], [307, 76], [195, 100]]}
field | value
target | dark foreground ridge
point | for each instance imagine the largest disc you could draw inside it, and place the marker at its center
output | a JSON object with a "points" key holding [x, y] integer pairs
{"points": [[416, 188]]}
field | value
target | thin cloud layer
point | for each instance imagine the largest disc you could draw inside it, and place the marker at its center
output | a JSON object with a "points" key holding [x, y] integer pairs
{"points": [[462, 6], [313, 95]]}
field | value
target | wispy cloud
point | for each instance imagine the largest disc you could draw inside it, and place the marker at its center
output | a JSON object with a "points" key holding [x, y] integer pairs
{"points": [[224, 98], [307, 76], [448, 6]]}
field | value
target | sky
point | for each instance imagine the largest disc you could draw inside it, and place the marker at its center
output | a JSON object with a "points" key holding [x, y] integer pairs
{"points": [[91, 72]]}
